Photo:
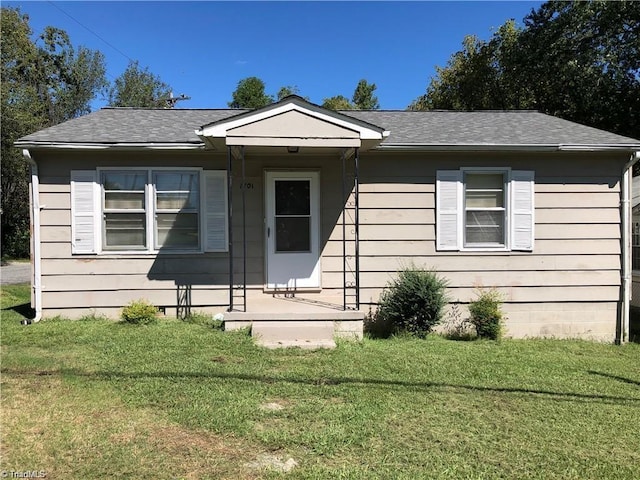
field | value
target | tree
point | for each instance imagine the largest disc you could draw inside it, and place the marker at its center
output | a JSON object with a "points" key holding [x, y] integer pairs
{"points": [[288, 90], [21, 115], [250, 94], [42, 83], [583, 62], [577, 60], [337, 103], [67, 81], [138, 87], [363, 97]]}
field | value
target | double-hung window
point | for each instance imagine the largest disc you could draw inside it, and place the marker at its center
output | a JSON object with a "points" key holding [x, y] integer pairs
{"points": [[151, 209], [177, 205], [485, 209], [124, 210], [148, 210]]}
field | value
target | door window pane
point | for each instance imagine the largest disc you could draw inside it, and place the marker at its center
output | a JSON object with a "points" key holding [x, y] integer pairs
{"points": [[292, 197], [293, 234]]}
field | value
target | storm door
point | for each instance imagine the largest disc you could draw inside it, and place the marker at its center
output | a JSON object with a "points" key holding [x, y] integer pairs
{"points": [[293, 230]]}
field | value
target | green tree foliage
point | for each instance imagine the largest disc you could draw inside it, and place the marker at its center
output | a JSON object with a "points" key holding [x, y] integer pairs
{"points": [[363, 97], [250, 93], [583, 62], [288, 90], [42, 83], [337, 103], [138, 87], [577, 60]]}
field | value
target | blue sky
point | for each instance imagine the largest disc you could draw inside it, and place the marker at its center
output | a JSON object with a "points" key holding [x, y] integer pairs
{"points": [[202, 49]]}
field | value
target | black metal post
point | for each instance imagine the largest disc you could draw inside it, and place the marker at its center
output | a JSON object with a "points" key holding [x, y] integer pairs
{"points": [[344, 233], [244, 233], [230, 220]]}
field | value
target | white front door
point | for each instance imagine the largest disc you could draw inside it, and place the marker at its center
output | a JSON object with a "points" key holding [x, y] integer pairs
{"points": [[293, 230]]}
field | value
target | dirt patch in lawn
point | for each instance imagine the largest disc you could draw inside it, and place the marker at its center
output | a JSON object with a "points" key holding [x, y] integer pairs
{"points": [[70, 432]]}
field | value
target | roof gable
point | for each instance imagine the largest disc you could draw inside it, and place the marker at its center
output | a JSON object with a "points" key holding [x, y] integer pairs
{"points": [[292, 122]]}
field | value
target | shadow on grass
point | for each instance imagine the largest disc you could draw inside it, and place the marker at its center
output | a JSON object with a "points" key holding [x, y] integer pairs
{"points": [[334, 381], [23, 310], [615, 377]]}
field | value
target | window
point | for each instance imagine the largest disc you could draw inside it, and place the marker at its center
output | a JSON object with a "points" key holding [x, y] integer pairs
{"points": [[148, 210], [177, 202], [484, 209], [124, 210]]}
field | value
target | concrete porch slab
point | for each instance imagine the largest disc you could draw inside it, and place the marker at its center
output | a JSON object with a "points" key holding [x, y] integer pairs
{"points": [[300, 321]]}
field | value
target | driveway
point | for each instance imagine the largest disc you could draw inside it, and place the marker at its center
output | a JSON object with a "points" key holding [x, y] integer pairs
{"points": [[15, 272]]}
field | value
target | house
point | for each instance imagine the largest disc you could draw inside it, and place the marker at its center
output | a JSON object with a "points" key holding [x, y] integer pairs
{"points": [[293, 218]]}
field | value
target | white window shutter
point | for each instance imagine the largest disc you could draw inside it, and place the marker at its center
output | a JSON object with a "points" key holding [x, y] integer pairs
{"points": [[215, 205], [448, 209], [84, 198], [522, 210]]}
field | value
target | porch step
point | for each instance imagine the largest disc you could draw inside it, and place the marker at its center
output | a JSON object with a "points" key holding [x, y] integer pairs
{"points": [[308, 330], [288, 333]]}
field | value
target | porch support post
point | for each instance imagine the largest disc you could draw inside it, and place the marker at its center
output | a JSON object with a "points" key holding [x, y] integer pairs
{"points": [[344, 233], [230, 220], [244, 233], [357, 225]]}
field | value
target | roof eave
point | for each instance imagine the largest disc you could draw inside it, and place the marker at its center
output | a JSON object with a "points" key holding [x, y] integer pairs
{"points": [[440, 147], [40, 145]]}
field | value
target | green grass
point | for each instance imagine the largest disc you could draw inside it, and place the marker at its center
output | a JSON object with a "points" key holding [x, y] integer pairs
{"points": [[99, 399]]}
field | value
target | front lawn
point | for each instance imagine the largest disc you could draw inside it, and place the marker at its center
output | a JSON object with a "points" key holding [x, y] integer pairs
{"points": [[99, 399]]}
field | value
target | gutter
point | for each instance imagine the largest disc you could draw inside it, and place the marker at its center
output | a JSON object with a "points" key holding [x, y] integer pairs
{"points": [[622, 332], [105, 146], [493, 147], [36, 281]]}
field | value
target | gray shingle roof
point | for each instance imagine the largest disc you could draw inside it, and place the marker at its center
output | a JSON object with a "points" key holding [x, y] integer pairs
{"points": [[445, 128]]}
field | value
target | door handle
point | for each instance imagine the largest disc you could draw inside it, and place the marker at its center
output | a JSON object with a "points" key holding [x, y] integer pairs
{"points": [[268, 232]]}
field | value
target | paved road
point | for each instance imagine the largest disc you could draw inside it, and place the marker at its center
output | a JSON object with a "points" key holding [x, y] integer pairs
{"points": [[15, 273]]}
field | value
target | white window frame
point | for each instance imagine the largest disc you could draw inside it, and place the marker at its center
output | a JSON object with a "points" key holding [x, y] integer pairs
{"points": [[506, 208], [519, 192], [150, 212]]}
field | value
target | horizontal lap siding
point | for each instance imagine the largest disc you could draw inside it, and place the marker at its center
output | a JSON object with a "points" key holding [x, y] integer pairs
{"points": [[76, 284], [576, 259]]}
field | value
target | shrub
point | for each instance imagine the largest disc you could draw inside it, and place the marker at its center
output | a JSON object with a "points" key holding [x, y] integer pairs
{"points": [[486, 314], [139, 312], [414, 302]]}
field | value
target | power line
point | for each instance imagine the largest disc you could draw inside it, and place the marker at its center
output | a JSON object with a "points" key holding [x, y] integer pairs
{"points": [[92, 32]]}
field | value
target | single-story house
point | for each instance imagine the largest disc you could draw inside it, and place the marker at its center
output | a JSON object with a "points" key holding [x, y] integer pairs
{"points": [[293, 218]]}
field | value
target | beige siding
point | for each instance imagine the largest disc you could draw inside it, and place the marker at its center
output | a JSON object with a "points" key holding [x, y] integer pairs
{"points": [[568, 286]]}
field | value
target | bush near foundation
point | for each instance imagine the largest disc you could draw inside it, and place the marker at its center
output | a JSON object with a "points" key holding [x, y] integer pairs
{"points": [[414, 302], [486, 314], [139, 312]]}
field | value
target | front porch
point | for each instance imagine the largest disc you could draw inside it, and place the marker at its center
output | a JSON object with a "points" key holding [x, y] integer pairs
{"points": [[306, 320], [300, 155]]}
